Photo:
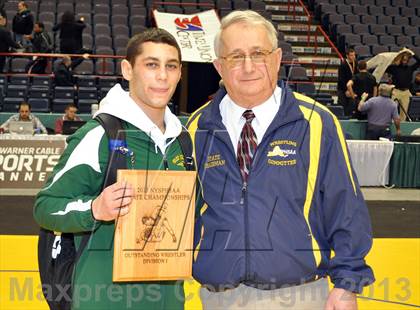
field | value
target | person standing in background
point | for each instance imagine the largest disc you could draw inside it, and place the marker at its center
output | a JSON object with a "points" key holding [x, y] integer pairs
{"points": [[6, 42], [23, 24], [381, 111], [41, 43], [415, 89], [345, 73], [362, 82], [402, 76], [71, 40]]}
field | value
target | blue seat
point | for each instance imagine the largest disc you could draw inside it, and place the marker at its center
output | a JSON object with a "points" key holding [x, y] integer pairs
{"points": [[39, 104], [85, 105], [87, 93], [64, 92], [11, 104], [59, 105], [16, 90]]}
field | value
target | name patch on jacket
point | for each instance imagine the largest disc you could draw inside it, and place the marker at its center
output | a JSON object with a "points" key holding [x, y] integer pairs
{"points": [[214, 161], [282, 153]]}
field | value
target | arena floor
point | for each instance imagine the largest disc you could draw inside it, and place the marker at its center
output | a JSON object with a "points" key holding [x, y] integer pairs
{"points": [[395, 255]]}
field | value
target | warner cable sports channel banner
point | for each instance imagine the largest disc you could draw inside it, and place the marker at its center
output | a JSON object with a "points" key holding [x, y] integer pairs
{"points": [[26, 164], [194, 33]]}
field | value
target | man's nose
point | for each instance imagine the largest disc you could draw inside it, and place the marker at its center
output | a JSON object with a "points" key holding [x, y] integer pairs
{"points": [[248, 64]]}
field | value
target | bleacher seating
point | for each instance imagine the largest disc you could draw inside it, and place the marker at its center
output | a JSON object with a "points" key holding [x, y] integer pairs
{"points": [[44, 96], [394, 23], [371, 26]]}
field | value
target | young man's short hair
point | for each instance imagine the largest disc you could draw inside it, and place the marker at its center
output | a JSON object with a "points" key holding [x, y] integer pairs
{"points": [[40, 25], [362, 65], [350, 50], [155, 35], [70, 105]]}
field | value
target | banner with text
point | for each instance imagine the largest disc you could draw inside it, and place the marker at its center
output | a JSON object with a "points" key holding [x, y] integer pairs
{"points": [[27, 164], [194, 33]]}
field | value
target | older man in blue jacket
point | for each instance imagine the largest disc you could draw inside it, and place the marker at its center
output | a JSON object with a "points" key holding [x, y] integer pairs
{"points": [[278, 191]]}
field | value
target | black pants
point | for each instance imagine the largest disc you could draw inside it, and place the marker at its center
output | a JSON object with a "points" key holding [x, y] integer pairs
{"points": [[375, 132], [2, 63]]}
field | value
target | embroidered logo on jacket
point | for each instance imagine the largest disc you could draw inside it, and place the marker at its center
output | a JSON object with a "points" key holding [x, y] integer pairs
{"points": [[282, 153], [214, 161], [178, 160]]}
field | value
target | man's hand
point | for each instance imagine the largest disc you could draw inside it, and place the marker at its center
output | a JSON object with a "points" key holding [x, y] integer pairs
{"points": [[364, 96], [340, 299], [114, 201]]}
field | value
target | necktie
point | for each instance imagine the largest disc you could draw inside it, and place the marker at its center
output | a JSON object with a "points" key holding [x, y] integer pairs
{"points": [[247, 145]]}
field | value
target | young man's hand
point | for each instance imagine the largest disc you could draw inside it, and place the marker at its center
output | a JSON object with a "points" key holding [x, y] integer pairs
{"points": [[114, 201]]}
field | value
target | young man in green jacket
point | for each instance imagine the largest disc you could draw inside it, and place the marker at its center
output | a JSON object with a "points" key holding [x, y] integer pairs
{"points": [[73, 200]]}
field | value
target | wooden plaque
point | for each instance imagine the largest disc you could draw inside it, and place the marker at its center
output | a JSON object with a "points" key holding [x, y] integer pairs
{"points": [[154, 241]]}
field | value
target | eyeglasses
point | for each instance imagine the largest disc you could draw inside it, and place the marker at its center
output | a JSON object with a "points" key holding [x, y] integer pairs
{"points": [[238, 59]]}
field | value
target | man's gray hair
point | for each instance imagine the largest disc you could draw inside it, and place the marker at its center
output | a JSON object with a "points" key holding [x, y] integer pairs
{"points": [[248, 17], [385, 90]]}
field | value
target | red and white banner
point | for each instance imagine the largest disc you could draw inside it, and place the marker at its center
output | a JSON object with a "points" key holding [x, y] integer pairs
{"points": [[194, 33]]}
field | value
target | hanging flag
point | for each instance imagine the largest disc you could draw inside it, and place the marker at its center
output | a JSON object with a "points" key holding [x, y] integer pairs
{"points": [[194, 33]]}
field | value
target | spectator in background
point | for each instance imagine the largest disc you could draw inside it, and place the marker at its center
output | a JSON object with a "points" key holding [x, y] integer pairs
{"points": [[71, 41], [41, 43], [23, 24], [362, 82], [6, 41], [415, 89], [64, 71], [2, 10], [69, 115], [26, 116], [402, 75], [381, 110], [345, 73]]}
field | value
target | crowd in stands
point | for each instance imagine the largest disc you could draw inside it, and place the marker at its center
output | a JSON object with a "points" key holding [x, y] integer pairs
{"points": [[355, 80]]}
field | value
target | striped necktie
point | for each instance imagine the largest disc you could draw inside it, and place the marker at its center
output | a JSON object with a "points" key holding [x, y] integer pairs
{"points": [[247, 145]]}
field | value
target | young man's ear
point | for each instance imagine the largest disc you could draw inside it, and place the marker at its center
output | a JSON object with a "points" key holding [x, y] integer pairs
{"points": [[126, 69]]}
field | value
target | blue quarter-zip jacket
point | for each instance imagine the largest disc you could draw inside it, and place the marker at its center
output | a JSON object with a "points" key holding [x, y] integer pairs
{"points": [[302, 202]]}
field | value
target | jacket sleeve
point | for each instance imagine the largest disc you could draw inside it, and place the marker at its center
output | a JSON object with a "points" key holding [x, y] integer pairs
{"points": [[346, 224], [58, 126], [10, 42], [39, 125], [417, 64], [6, 124], [64, 204]]}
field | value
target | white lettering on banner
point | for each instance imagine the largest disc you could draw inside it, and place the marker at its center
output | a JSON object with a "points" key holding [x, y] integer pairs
{"points": [[194, 33], [28, 166], [14, 176]]}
